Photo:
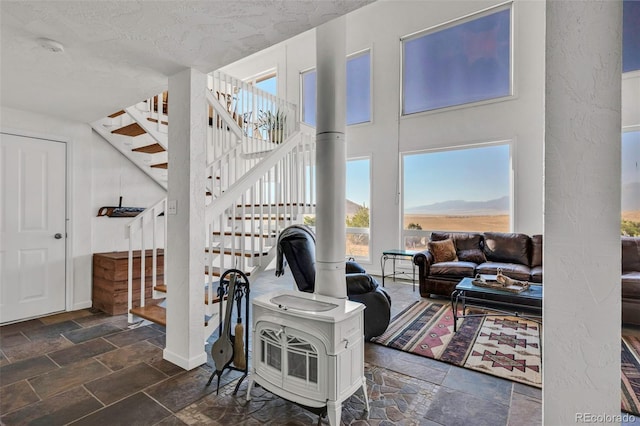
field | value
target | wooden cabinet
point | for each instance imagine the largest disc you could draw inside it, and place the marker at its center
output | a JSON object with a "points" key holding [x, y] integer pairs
{"points": [[110, 280]]}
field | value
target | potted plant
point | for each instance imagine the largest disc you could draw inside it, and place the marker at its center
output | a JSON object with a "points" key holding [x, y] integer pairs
{"points": [[273, 123]]}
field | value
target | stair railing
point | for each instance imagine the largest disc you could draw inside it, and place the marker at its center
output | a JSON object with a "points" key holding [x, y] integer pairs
{"points": [[259, 119], [143, 235], [260, 203]]}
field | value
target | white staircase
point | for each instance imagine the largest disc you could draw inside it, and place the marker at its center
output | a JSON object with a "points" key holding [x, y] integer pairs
{"points": [[255, 187]]}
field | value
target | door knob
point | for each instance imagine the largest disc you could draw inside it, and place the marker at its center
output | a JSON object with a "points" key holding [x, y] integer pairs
{"points": [[57, 236]]}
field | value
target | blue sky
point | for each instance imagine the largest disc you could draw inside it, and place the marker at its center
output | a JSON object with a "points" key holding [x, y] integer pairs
{"points": [[476, 174], [358, 185]]}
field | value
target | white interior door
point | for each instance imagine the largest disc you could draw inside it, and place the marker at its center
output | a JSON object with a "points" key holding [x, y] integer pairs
{"points": [[32, 227]]}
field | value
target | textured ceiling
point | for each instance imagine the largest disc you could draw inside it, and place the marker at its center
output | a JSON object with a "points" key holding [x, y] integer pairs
{"points": [[117, 53]]}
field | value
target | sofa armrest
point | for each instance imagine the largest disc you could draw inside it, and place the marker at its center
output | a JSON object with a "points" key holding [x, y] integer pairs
{"points": [[424, 260]]}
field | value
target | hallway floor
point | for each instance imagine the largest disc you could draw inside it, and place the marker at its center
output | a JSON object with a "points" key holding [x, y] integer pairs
{"points": [[86, 367]]}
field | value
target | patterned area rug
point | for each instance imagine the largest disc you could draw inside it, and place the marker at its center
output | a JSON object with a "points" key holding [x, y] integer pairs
{"points": [[631, 374], [503, 346]]}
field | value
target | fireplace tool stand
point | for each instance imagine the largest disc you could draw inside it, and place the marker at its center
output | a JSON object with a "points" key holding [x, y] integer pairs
{"points": [[231, 352]]}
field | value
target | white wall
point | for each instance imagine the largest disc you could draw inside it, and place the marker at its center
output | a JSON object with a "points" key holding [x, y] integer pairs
{"points": [[113, 176], [79, 137], [99, 175], [379, 27]]}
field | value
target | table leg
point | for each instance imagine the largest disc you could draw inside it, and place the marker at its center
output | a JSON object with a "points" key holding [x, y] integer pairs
{"points": [[383, 260]]}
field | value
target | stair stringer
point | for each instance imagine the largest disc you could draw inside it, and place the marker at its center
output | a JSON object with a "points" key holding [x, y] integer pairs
{"points": [[124, 145]]}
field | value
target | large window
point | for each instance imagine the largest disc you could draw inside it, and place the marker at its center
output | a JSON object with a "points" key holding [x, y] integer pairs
{"points": [[458, 64], [631, 183], [358, 91], [455, 190], [630, 35], [358, 191]]}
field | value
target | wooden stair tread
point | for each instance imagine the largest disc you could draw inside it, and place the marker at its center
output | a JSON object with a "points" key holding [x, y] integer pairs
{"points": [[150, 149], [217, 250], [216, 299], [160, 166], [215, 271], [246, 234], [276, 205], [153, 313], [155, 120], [132, 130], [279, 216], [116, 114]]}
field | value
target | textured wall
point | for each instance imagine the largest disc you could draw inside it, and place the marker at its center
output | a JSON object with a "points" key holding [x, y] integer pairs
{"points": [[582, 210]]}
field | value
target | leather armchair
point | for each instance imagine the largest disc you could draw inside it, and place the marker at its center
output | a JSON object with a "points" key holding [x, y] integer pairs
{"points": [[297, 244]]}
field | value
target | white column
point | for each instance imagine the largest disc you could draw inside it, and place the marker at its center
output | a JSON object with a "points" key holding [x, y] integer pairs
{"points": [[186, 229], [581, 365], [331, 158]]}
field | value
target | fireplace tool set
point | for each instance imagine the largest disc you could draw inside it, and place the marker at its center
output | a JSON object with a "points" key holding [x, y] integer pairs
{"points": [[231, 351]]}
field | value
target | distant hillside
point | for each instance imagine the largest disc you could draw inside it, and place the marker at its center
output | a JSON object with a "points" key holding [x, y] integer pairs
{"points": [[459, 207], [631, 196], [352, 208]]}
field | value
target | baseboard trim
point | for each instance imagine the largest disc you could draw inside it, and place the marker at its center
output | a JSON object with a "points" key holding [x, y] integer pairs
{"points": [[182, 362]]}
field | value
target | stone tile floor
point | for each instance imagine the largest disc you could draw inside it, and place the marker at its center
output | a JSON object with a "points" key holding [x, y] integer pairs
{"points": [[88, 368]]}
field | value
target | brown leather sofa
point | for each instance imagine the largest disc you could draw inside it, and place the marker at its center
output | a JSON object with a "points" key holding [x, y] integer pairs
{"points": [[518, 255], [631, 280]]}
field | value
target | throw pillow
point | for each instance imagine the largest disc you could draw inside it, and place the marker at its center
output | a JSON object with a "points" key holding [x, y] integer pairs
{"points": [[472, 255], [442, 251]]}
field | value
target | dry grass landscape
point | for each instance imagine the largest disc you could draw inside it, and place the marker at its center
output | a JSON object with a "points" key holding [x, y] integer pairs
{"points": [[632, 215], [497, 223]]}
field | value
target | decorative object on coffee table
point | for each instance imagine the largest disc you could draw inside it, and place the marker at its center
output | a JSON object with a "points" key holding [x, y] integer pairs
{"points": [[500, 282]]}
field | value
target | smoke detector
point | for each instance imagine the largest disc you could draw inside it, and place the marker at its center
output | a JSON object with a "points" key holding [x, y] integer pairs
{"points": [[50, 45]]}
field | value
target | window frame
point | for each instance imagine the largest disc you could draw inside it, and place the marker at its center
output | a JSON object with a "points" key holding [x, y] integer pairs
{"points": [[353, 55], [426, 233], [366, 231], [508, 5]]}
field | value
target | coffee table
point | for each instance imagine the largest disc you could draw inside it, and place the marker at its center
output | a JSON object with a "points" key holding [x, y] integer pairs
{"points": [[499, 301]]}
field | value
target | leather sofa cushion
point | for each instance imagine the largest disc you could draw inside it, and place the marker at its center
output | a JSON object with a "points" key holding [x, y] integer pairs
{"points": [[360, 283], [630, 254], [536, 275], [507, 247], [512, 270], [352, 267], [536, 250], [631, 285], [462, 240], [473, 255], [456, 269]]}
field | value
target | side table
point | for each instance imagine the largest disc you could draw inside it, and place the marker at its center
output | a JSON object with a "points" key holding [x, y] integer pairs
{"points": [[395, 255]]}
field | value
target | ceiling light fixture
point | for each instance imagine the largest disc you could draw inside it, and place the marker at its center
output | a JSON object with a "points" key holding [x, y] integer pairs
{"points": [[50, 45]]}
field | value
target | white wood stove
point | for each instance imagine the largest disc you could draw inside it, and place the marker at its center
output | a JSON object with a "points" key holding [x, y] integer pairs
{"points": [[308, 349]]}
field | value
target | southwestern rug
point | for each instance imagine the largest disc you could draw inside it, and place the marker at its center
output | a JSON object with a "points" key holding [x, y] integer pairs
{"points": [[503, 346]]}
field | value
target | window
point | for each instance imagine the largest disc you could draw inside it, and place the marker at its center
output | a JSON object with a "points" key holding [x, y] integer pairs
{"points": [[309, 98], [459, 64], [358, 189], [455, 190], [268, 84], [358, 91], [630, 36], [631, 183], [359, 88]]}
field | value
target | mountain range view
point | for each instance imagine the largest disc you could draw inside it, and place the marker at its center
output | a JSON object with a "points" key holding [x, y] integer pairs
{"points": [[460, 207], [497, 206]]}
